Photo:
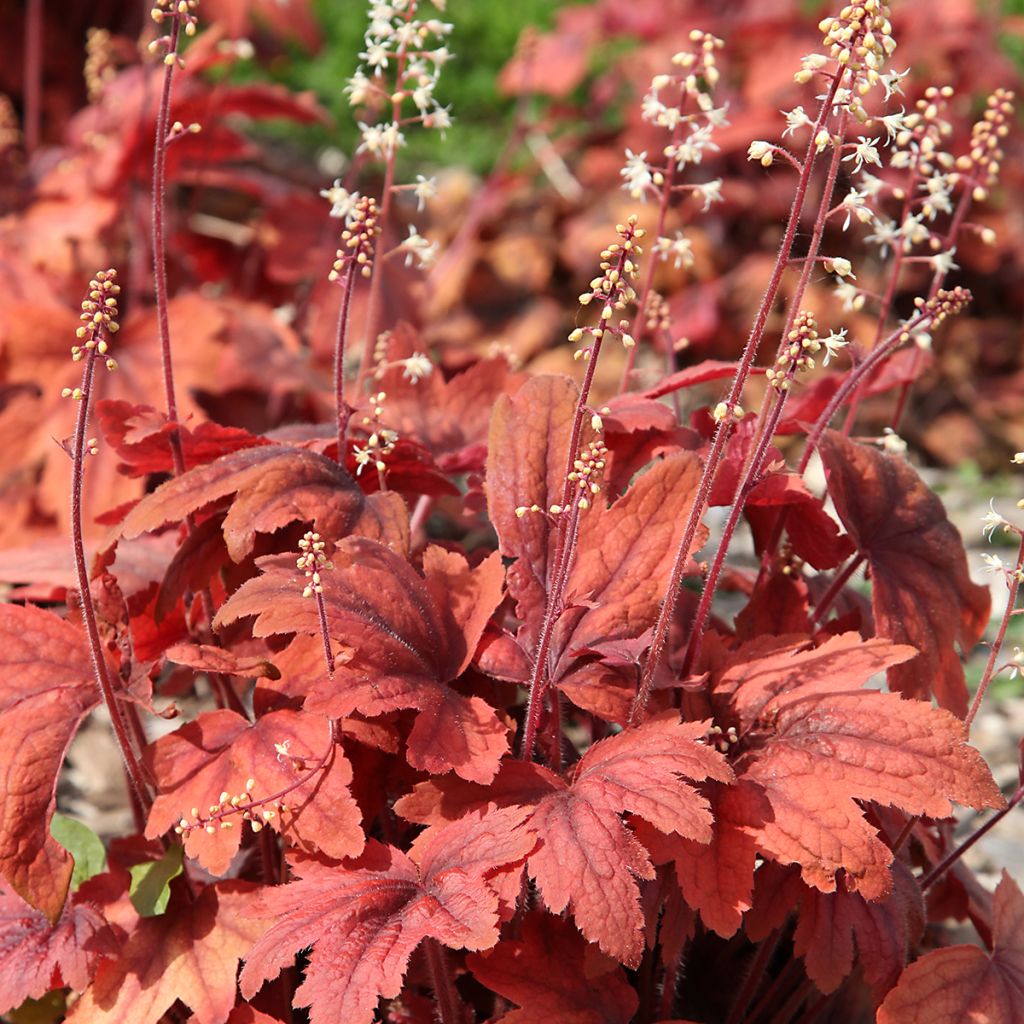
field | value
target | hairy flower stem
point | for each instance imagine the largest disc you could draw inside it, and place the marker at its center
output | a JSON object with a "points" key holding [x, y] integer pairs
{"points": [[947, 862], [835, 589], [343, 409], [997, 644], [160, 243], [659, 637], [33, 74], [449, 1006], [133, 767], [321, 612], [771, 413]]}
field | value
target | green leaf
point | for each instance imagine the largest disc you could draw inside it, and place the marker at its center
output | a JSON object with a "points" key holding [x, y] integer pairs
{"points": [[83, 844], [151, 882]]}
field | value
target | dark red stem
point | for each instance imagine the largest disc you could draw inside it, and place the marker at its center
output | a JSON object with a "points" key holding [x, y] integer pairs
{"points": [[32, 87], [449, 1006], [343, 409]]}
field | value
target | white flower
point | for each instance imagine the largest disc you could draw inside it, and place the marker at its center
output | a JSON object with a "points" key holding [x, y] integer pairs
{"points": [[425, 189], [376, 55], [993, 563], [678, 247], [439, 118], [870, 185], [891, 82], [416, 367], [849, 294], [364, 457], [840, 266], [855, 206], [893, 124], [380, 139], [636, 174], [892, 442], [914, 231], [865, 151], [359, 89], [991, 520], [691, 149], [1018, 459], [942, 262], [710, 192], [833, 343], [886, 235], [795, 118], [1017, 661], [418, 250], [342, 201], [762, 151]]}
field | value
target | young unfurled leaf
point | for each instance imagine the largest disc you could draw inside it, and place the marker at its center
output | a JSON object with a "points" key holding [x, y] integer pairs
{"points": [[812, 742], [273, 485], [46, 690], [584, 987], [190, 954], [411, 636], [921, 591], [964, 983], [84, 846], [363, 918], [589, 860], [36, 956], [150, 888], [220, 752]]}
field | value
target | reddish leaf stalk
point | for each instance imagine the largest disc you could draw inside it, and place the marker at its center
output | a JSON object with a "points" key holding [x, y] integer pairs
{"points": [[754, 976], [660, 634], [133, 768], [997, 644], [835, 588], [946, 863], [449, 1006], [321, 612]]}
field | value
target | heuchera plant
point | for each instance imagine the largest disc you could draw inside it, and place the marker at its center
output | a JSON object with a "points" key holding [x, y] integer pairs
{"points": [[474, 740]]}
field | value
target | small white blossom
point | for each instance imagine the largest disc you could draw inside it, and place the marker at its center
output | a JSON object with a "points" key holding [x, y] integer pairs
{"points": [[993, 563], [416, 367], [342, 201], [795, 119], [942, 262], [418, 250], [380, 139], [850, 295], [636, 174], [891, 82], [678, 248], [1018, 459], [425, 189], [710, 192], [870, 185], [762, 151], [893, 124], [855, 206], [991, 521], [833, 343], [892, 442], [865, 151], [886, 235], [840, 266], [1017, 661]]}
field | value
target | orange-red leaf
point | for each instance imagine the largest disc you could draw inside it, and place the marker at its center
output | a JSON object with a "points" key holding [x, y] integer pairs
{"points": [[814, 743], [220, 751], [364, 918], [584, 987], [964, 983], [46, 690], [273, 485], [191, 954], [410, 636], [921, 590], [36, 956]]}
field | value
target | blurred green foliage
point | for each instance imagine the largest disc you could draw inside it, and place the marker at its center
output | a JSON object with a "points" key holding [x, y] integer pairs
{"points": [[483, 39], [1013, 42]]}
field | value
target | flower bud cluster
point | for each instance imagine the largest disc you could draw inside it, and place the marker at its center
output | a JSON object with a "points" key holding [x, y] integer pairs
{"points": [[860, 40], [688, 113], [801, 343], [99, 321], [722, 739], [312, 561], [358, 239], [181, 12], [613, 288], [258, 813], [587, 470], [381, 441], [983, 161], [99, 67], [946, 302]]}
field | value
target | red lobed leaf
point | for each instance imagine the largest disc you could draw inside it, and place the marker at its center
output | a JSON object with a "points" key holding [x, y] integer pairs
{"points": [[220, 751], [584, 989], [46, 690], [364, 918], [410, 636], [37, 956], [964, 983], [191, 954], [921, 590]]}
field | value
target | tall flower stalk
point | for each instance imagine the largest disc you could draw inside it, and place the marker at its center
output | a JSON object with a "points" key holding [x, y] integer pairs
{"points": [[99, 325]]}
